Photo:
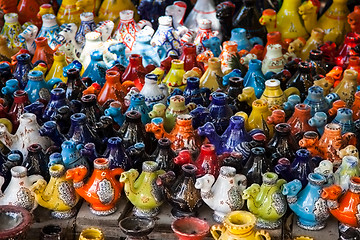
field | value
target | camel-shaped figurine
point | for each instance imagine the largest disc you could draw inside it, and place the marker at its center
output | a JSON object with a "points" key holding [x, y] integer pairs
{"points": [[212, 192], [354, 20], [311, 210], [58, 195], [68, 43], [333, 21], [289, 25], [261, 201], [28, 37], [345, 209], [310, 141], [143, 191], [101, 190]]}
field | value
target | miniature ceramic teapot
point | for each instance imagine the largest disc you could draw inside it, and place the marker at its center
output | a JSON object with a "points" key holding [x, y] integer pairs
{"points": [[238, 225], [142, 191], [102, 190], [310, 208], [213, 193], [344, 209], [266, 202], [176, 107], [274, 60], [179, 189], [274, 95], [182, 136], [18, 191], [234, 135], [28, 37], [349, 168], [332, 141], [58, 194], [150, 54], [27, 134], [36, 85]]}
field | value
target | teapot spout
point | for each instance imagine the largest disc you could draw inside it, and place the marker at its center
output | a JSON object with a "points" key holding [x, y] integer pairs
{"points": [[51, 83]]}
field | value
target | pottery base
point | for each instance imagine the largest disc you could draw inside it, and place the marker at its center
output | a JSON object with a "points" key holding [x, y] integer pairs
{"points": [[146, 213], [218, 217], [263, 224], [64, 214], [315, 227], [103, 213], [179, 214]]}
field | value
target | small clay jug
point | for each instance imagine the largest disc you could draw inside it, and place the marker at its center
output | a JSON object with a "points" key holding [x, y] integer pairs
{"points": [[347, 87], [299, 121], [302, 79], [274, 95], [75, 86], [283, 143], [354, 64], [133, 131], [332, 141], [112, 89], [135, 71], [43, 52], [164, 155], [102, 190], [220, 112], [181, 192], [207, 162], [212, 77], [256, 166]]}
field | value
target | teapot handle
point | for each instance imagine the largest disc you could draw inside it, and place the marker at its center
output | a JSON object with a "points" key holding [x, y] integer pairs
{"points": [[34, 178], [262, 233], [116, 171], [350, 139], [215, 229], [241, 181]]}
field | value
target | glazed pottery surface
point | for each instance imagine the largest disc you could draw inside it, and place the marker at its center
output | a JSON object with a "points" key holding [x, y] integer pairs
{"points": [[102, 190], [345, 208], [311, 210], [212, 191], [266, 202], [190, 228], [180, 191], [137, 228], [142, 191], [58, 194], [238, 225], [91, 234], [18, 191], [15, 222]]}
